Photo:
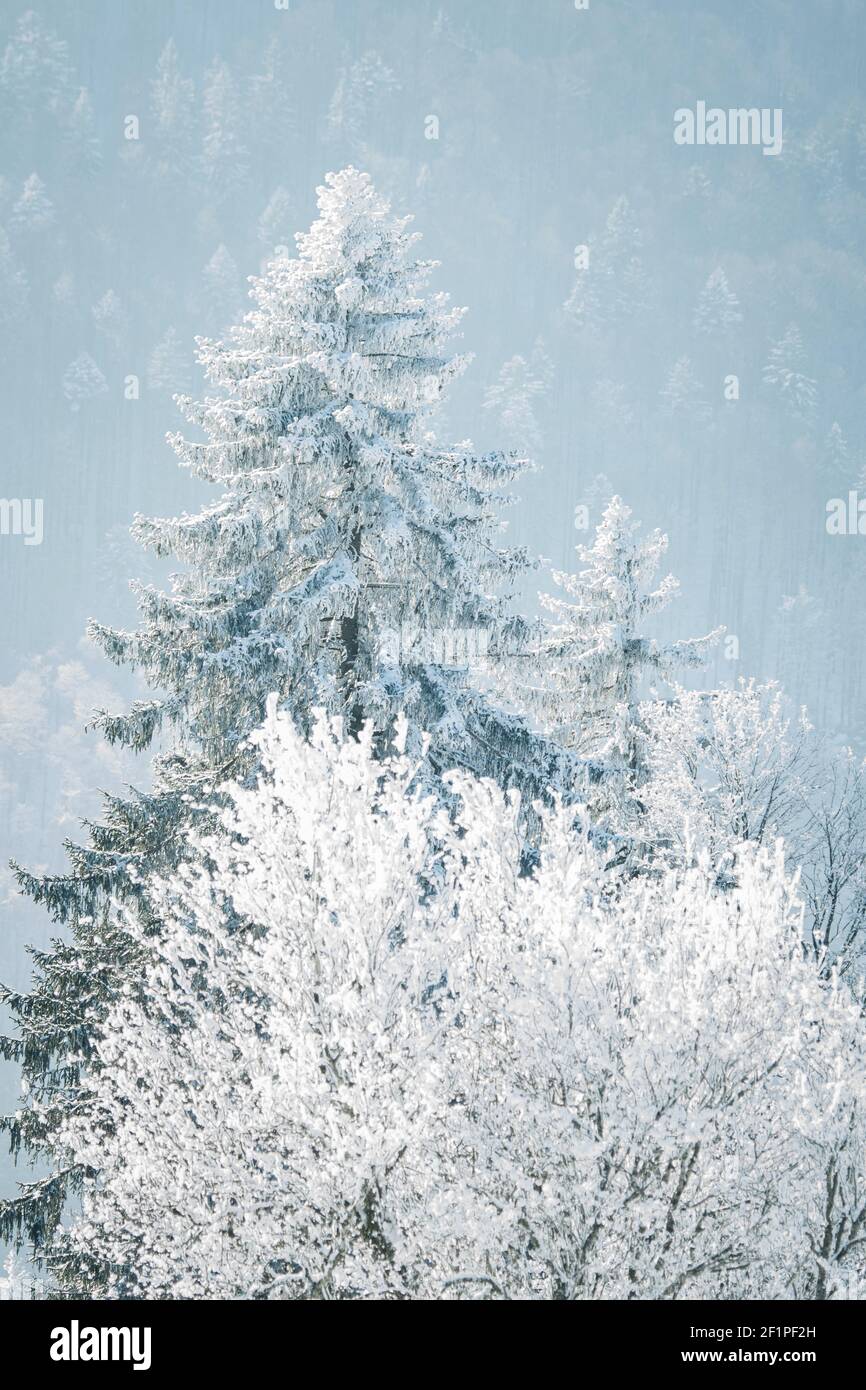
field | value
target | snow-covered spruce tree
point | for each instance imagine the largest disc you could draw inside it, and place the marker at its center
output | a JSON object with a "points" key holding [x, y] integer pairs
{"points": [[784, 374], [340, 519], [363, 94], [595, 654], [683, 394], [269, 106], [34, 210], [14, 292], [110, 319], [82, 381], [836, 462], [168, 368], [275, 221], [221, 287], [718, 309], [224, 160], [80, 137], [35, 73], [512, 399], [172, 109], [612, 287]]}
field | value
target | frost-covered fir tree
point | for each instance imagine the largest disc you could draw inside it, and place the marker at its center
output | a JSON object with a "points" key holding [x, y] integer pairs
{"points": [[13, 289], [80, 137], [222, 286], [836, 462], [784, 374], [361, 96], [718, 309], [168, 367], [683, 394], [596, 655], [271, 106], [594, 497], [172, 105], [697, 186], [224, 156], [64, 289], [110, 319], [275, 223], [35, 72], [513, 397], [82, 381], [623, 249], [339, 519], [33, 210], [613, 286]]}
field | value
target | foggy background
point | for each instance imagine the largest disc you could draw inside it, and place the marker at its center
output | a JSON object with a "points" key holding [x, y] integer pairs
{"points": [[175, 146]]}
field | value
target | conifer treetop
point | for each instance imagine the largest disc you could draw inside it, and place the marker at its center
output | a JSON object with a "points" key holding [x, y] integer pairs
{"points": [[341, 514], [596, 650]]}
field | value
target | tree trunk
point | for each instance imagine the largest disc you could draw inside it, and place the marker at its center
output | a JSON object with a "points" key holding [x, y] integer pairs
{"points": [[350, 641]]}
